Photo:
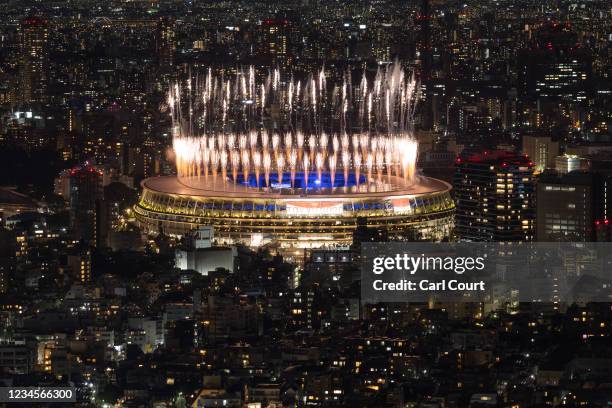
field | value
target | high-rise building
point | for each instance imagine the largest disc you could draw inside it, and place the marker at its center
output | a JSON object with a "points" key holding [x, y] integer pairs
{"points": [[565, 207], [573, 201], [542, 150], [276, 41], [165, 42], [554, 67], [85, 192], [33, 34], [424, 38], [494, 193], [425, 57]]}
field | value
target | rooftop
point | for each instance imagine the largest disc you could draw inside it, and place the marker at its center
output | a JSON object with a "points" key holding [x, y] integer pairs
{"points": [[498, 157]]}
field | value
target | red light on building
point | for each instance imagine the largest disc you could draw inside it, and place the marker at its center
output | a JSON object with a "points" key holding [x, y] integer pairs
{"points": [[34, 21], [271, 21]]}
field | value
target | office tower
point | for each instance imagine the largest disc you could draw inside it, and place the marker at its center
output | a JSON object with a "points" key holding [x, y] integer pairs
{"points": [[85, 192], [554, 67], [425, 57], [575, 200], [165, 43], [33, 34], [565, 207], [275, 41], [542, 150], [424, 40], [381, 45], [494, 193]]}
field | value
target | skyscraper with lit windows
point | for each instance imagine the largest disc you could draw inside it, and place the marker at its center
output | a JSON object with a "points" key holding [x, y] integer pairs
{"points": [[565, 207], [276, 41], [165, 43], [555, 67], [494, 194], [33, 35], [85, 194]]}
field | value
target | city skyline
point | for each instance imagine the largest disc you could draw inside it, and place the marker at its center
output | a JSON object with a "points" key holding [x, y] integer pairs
{"points": [[193, 194]]}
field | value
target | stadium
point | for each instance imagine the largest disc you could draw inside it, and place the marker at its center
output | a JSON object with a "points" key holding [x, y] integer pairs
{"points": [[295, 161], [423, 210]]}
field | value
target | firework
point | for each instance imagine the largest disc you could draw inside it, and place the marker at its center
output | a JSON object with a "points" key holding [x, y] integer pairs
{"points": [[309, 128]]}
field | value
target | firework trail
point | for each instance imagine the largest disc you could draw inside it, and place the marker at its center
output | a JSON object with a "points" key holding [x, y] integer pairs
{"points": [[242, 125]]}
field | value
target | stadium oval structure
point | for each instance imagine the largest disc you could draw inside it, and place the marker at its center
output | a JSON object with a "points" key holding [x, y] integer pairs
{"points": [[249, 212]]}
